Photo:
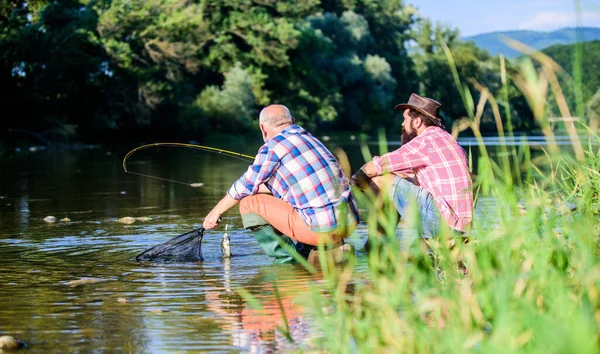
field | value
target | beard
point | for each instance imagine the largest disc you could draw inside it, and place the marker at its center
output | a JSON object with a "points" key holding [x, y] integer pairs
{"points": [[406, 136]]}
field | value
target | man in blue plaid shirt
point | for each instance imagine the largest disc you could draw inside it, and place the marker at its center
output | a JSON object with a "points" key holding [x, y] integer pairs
{"points": [[294, 189]]}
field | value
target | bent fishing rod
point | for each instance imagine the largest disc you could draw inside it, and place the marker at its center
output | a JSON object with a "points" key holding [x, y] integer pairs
{"points": [[228, 153]]}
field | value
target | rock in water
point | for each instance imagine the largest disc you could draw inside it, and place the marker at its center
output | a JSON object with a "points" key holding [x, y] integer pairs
{"points": [[158, 310], [225, 246], [8, 343], [126, 220], [50, 219], [83, 281]]}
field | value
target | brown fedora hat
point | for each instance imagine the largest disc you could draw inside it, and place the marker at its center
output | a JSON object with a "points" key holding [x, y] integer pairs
{"points": [[424, 105]]}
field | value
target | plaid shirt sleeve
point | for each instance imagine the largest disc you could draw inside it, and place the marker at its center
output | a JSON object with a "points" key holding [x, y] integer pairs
{"points": [[264, 166], [404, 159]]}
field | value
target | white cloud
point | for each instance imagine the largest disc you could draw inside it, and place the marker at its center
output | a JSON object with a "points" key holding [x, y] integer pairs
{"points": [[547, 21]]}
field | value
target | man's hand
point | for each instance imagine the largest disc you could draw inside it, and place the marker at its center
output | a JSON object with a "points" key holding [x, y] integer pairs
{"points": [[360, 180], [211, 220]]}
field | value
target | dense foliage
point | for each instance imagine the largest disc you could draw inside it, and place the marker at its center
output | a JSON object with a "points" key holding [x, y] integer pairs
{"points": [[590, 65], [93, 70], [526, 282]]}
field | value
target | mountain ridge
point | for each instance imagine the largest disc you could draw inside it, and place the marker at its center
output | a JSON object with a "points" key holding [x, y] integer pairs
{"points": [[493, 43]]}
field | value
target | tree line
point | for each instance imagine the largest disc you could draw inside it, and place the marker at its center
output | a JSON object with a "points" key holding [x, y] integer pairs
{"points": [[94, 70]]}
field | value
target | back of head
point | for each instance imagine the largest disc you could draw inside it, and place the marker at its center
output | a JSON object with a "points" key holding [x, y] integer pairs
{"points": [[275, 115]]}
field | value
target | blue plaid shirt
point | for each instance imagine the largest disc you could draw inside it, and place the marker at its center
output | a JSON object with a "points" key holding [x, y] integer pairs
{"points": [[296, 167]]}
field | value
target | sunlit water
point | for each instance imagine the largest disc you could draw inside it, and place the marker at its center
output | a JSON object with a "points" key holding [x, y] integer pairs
{"points": [[74, 286]]}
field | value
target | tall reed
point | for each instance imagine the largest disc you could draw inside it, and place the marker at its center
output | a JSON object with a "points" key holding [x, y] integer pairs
{"points": [[533, 280]]}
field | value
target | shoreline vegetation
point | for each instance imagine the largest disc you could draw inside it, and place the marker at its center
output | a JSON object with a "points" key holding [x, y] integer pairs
{"points": [[528, 280], [102, 71]]}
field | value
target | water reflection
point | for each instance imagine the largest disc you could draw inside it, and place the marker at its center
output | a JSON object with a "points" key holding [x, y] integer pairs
{"points": [[279, 323], [75, 286]]}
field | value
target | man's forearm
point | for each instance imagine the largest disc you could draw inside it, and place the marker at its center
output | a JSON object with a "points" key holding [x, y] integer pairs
{"points": [[225, 204], [214, 217], [370, 170]]}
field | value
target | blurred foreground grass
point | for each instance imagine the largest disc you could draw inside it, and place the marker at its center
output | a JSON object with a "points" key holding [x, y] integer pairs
{"points": [[533, 278]]}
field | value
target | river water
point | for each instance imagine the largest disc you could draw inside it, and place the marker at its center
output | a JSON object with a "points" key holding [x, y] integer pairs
{"points": [[74, 286]]}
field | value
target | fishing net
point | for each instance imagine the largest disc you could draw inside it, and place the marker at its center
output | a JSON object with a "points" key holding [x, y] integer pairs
{"points": [[183, 248]]}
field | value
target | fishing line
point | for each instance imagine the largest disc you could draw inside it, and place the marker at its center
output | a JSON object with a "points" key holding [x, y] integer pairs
{"points": [[228, 153], [171, 180]]}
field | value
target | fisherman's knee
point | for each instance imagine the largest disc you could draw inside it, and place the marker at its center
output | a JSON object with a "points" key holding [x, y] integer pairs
{"points": [[250, 204]]}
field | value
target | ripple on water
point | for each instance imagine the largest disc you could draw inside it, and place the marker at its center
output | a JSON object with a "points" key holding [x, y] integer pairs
{"points": [[153, 307]]}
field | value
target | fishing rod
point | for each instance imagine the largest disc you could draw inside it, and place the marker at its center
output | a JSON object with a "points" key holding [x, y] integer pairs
{"points": [[232, 154], [188, 246]]}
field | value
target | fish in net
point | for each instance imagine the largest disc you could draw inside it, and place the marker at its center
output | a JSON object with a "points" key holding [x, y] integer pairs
{"points": [[183, 248]]}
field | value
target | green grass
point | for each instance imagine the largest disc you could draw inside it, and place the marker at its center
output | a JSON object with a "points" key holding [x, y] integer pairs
{"points": [[533, 281]]}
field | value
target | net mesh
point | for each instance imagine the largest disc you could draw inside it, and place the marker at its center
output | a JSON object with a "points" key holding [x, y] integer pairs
{"points": [[183, 248]]}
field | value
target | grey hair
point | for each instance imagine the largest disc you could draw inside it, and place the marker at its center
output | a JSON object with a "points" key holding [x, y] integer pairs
{"points": [[275, 119]]}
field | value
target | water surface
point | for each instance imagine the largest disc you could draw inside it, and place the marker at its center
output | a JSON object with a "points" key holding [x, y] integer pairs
{"points": [[74, 286]]}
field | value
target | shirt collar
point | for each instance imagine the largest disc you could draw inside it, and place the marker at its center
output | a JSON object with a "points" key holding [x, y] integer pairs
{"points": [[294, 128]]}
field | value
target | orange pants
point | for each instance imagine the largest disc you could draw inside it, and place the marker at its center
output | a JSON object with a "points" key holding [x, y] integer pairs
{"points": [[282, 216]]}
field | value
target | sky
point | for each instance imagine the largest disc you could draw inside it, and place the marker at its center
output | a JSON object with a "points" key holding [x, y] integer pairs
{"points": [[480, 16]]}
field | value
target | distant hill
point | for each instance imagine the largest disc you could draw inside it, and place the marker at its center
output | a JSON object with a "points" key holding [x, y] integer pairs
{"points": [[590, 65], [493, 43]]}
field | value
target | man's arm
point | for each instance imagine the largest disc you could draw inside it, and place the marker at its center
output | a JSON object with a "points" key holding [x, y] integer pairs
{"points": [[370, 170], [252, 181], [363, 177], [212, 219]]}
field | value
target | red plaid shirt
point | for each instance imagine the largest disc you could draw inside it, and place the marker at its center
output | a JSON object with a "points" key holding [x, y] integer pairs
{"points": [[440, 167]]}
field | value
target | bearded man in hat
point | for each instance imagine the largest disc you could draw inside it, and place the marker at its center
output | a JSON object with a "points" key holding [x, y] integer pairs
{"points": [[429, 167]]}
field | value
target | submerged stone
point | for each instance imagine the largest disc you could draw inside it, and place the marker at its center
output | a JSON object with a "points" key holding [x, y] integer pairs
{"points": [[50, 219], [83, 281], [126, 220], [9, 343]]}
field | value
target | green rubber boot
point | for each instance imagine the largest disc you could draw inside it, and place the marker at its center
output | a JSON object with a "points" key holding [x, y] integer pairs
{"points": [[269, 238]]}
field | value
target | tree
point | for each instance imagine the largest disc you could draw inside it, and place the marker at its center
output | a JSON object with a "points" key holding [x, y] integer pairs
{"points": [[228, 109], [472, 64], [51, 66], [337, 80]]}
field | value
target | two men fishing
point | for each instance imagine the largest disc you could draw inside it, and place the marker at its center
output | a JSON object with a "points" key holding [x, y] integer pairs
{"points": [[296, 189]]}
